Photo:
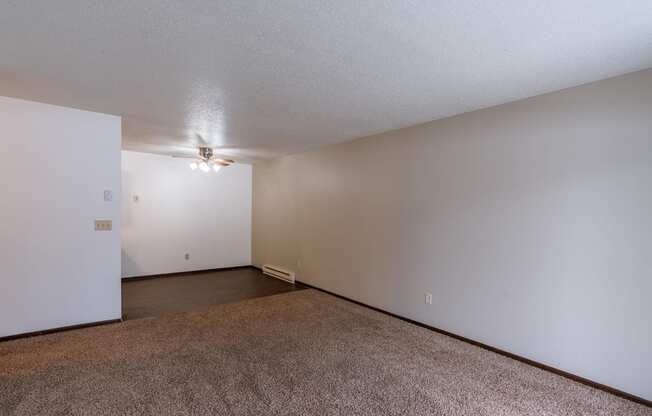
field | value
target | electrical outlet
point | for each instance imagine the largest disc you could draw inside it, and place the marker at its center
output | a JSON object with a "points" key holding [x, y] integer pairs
{"points": [[187, 256], [103, 225], [428, 298]]}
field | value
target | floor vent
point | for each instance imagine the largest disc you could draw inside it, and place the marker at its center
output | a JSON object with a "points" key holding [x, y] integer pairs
{"points": [[278, 273]]}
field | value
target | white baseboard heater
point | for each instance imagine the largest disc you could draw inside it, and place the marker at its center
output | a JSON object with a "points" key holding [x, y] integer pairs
{"points": [[278, 273]]}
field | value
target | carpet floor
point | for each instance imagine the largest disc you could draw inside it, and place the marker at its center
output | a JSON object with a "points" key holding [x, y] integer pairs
{"points": [[298, 353]]}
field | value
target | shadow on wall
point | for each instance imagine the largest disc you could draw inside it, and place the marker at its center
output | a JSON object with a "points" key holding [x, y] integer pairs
{"points": [[128, 264], [127, 197]]}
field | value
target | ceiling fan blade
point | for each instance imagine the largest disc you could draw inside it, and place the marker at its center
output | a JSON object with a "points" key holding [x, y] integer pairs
{"points": [[184, 156], [224, 162], [200, 140]]}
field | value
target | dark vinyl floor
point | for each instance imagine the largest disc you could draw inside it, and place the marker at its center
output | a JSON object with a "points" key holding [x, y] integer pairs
{"points": [[181, 293]]}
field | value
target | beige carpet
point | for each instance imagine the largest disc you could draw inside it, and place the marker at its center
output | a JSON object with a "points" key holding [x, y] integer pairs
{"points": [[300, 353]]}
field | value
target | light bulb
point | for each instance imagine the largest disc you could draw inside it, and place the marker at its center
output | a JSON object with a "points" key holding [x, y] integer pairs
{"points": [[216, 167], [193, 165], [204, 167]]}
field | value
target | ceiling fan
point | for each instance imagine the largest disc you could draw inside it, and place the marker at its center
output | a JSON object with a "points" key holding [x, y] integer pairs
{"points": [[205, 160]]}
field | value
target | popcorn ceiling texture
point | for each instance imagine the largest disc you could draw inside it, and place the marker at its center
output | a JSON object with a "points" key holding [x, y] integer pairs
{"points": [[302, 353], [269, 78]]}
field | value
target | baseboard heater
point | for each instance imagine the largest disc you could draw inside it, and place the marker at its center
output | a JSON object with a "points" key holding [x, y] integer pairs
{"points": [[278, 273]]}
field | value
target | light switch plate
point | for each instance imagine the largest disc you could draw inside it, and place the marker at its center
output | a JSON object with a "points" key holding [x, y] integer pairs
{"points": [[108, 196], [103, 225]]}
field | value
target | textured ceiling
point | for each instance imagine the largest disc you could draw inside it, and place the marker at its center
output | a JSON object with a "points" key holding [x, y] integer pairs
{"points": [[268, 78]]}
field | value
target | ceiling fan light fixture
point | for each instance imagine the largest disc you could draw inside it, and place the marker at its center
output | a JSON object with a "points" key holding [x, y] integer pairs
{"points": [[206, 161]]}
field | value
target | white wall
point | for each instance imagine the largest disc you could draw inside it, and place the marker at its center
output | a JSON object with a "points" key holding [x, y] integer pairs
{"points": [[179, 211], [530, 222], [55, 270]]}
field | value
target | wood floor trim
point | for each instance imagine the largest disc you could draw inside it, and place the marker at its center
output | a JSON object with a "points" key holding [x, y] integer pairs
{"points": [[565, 374], [60, 329], [188, 273]]}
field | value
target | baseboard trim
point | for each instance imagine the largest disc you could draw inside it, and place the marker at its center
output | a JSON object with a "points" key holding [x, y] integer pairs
{"points": [[570, 376], [188, 273], [60, 329]]}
